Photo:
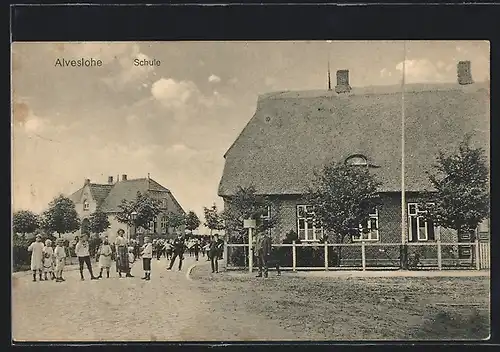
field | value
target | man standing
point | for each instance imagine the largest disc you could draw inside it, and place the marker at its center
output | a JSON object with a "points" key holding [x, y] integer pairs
{"points": [[83, 254], [215, 253], [263, 251], [179, 247]]}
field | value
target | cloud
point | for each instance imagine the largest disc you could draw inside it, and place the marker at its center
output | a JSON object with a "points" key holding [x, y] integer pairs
{"points": [[385, 73], [422, 71], [172, 93], [214, 79], [184, 97]]}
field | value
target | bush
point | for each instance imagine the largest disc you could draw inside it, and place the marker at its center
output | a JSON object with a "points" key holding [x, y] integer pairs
{"points": [[21, 257]]}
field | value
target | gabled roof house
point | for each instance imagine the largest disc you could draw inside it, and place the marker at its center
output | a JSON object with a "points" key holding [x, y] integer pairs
{"points": [[295, 133], [109, 196]]}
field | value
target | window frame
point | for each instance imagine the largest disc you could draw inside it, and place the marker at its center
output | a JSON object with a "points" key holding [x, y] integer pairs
{"points": [[372, 216], [419, 218], [306, 218], [163, 223], [86, 205]]}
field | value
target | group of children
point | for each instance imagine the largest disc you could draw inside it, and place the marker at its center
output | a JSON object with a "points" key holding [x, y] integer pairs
{"points": [[47, 260]]}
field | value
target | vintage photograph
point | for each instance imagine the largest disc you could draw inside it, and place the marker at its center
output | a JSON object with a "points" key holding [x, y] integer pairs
{"points": [[250, 191]]}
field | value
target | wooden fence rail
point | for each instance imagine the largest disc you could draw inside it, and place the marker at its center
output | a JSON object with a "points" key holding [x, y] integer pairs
{"points": [[479, 256]]}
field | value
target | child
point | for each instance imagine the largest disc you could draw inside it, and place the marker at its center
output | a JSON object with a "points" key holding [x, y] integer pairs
{"points": [[168, 250], [147, 254], [131, 258], [105, 258], [48, 260], [36, 249], [60, 257]]}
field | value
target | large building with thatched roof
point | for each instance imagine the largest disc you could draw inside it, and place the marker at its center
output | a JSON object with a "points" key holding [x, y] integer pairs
{"points": [[293, 134], [108, 197]]}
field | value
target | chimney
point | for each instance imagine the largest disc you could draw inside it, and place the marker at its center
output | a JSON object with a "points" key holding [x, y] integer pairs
{"points": [[342, 82], [87, 181], [124, 177], [110, 180], [464, 73]]}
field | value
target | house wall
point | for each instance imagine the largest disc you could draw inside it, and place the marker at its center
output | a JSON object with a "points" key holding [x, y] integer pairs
{"points": [[284, 210], [86, 195]]}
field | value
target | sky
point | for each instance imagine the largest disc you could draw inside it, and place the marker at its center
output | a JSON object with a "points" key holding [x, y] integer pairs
{"points": [[175, 121]]}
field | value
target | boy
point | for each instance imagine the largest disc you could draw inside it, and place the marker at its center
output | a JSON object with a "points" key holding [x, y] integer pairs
{"points": [[60, 257], [83, 253], [105, 258], [147, 255], [36, 249], [179, 247], [131, 258]]}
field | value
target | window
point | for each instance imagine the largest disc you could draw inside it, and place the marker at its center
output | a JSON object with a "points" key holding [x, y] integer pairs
{"points": [[164, 203], [163, 223], [357, 160], [418, 228], [369, 228], [267, 217], [306, 226], [86, 205]]}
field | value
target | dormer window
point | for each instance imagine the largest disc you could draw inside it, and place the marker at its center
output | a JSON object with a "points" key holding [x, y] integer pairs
{"points": [[357, 160], [86, 205]]}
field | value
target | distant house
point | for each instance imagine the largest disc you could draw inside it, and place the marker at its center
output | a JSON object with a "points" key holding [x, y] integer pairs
{"points": [[109, 196], [292, 134]]}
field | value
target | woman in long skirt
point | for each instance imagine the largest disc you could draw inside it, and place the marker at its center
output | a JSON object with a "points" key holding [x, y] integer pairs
{"points": [[122, 264]]}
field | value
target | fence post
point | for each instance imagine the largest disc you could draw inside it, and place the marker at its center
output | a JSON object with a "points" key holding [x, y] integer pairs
{"points": [[326, 256], [250, 250], [294, 257], [226, 251], [363, 255], [478, 262], [440, 262]]}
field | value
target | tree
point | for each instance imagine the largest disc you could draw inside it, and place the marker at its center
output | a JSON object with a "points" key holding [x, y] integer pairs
{"points": [[146, 207], [61, 217], [24, 221], [213, 218], [175, 220], [192, 221], [344, 197], [98, 222], [246, 204], [461, 198]]}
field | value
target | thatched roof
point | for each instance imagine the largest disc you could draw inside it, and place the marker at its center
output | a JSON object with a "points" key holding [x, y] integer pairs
{"points": [[294, 133]]}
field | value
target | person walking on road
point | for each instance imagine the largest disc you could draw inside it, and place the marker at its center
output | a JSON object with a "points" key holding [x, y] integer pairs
{"points": [[215, 252], [196, 249], [263, 247], [83, 254], [36, 249], [147, 255], [179, 248]]}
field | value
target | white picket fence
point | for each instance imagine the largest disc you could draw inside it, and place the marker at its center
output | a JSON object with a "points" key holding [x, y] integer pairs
{"points": [[367, 255]]}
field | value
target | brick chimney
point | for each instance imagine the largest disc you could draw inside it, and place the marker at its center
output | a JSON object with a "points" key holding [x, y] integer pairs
{"points": [[464, 74], [124, 177], [110, 180], [87, 181], [342, 82]]}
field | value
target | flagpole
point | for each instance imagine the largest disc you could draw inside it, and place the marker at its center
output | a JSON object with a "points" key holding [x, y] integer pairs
{"points": [[403, 192]]}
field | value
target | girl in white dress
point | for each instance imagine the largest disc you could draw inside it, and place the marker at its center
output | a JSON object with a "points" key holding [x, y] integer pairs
{"points": [[105, 258], [60, 258], [36, 249], [48, 260]]}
